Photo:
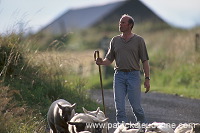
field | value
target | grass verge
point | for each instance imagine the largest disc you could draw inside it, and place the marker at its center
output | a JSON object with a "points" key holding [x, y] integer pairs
{"points": [[28, 88]]}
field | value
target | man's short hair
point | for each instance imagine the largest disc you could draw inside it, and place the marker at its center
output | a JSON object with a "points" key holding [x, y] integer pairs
{"points": [[130, 21]]}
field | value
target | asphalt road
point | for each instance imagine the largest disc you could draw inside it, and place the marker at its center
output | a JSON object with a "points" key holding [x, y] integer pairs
{"points": [[158, 107]]}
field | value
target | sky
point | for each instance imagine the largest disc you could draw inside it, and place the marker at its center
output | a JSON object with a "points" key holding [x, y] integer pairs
{"points": [[32, 15]]}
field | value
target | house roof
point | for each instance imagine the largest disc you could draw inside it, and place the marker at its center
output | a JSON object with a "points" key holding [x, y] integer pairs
{"points": [[86, 17], [80, 18]]}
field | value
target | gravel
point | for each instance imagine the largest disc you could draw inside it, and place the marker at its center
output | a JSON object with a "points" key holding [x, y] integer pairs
{"points": [[158, 107]]}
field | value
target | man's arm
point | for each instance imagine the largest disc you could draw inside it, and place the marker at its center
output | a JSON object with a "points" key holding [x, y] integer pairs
{"points": [[105, 62], [146, 75]]}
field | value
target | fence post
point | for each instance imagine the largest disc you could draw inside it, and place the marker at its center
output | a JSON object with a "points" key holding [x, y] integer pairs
{"points": [[197, 42], [80, 70]]}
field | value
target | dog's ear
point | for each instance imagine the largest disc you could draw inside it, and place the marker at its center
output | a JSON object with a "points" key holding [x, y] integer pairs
{"points": [[60, 106]]}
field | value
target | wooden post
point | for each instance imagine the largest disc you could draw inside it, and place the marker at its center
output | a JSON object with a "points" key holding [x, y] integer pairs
{"points": [[80, 70], [197, 42]]}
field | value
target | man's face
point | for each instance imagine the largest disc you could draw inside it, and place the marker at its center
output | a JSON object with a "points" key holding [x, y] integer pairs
{"points": [[124, 25]]}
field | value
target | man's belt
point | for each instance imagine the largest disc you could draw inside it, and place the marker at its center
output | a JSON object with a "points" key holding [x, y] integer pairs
{"points": [[126, 70]]}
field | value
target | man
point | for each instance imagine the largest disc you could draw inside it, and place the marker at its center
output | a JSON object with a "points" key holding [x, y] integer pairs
{"points": [[128, 49]]}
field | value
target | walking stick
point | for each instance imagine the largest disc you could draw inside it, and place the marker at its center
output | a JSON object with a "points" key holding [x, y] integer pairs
{"points": [[96, 55]]}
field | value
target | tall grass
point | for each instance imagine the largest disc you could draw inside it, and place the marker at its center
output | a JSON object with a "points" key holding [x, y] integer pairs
{"points": [[174, 62], [29, 86], [15, 118]]}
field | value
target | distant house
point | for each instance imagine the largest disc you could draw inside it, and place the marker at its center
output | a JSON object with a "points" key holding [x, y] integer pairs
{"points": [[86, 17]]}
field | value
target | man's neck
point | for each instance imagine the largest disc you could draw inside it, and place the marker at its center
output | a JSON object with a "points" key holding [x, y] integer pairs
{"points": [[127, 35]]}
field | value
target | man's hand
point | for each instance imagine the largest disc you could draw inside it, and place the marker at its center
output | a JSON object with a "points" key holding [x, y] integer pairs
{"points": [[146, 75], [99, 61], [147, 85]]}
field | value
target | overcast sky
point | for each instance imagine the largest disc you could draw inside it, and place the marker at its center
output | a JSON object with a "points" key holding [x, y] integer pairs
{"points": [[35, 14]]}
